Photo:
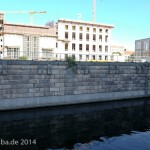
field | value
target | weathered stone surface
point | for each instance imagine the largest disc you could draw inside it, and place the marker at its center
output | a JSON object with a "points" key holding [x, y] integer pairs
{"points": [[24, 79]]}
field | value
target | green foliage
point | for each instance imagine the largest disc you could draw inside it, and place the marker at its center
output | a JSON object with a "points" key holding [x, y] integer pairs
{"points": [[71, 61], [117, 53], [23, 58]]}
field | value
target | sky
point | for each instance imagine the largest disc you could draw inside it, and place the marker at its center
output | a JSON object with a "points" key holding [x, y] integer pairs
{"points": [[130, 18]]}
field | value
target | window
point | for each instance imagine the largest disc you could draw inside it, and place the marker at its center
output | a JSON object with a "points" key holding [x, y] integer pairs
{"points": [[87, 57], [87, 37], [94, 48], [80, 36], [73, 27], [73, 35], [145, 45], [1, 40], [80, 57], [56, 45], [106, 49], [47, 53], [106, 57], [100, 30], [87, 29], [100, 48], [100, 38], [100, 57], [138, 45], [80, 47], [93, 57], [94, 37], [73, 47], [81, 28], [66, 46], [66, 35], [106, 38], [106, 30], [66, 27], [73, 56], [87, 47], [94, 29], [13, 53], [66, 55]]}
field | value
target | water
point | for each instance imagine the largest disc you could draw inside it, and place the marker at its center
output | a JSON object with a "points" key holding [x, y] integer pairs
{"points": [[106, 126]]}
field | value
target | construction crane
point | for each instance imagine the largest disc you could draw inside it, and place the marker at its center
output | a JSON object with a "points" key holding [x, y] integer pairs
{"points": [[93, 10], [31, 13]]}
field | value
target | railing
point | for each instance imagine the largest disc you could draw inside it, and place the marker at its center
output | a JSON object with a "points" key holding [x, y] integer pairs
{"points": [[80, 56]]}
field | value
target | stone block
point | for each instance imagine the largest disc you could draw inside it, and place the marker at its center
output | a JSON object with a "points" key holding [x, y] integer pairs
{"points": [[54, 89]]}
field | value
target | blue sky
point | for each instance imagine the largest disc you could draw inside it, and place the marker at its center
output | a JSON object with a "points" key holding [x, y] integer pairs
{"points": [[130, 17]]}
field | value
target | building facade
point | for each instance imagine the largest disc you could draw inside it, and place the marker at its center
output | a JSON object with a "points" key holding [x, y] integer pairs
{"points": [[33, 42], [83, 40], [142, 49]]}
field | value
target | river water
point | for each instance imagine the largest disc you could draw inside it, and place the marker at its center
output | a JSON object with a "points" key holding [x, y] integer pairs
{"points": [[114, 125]]}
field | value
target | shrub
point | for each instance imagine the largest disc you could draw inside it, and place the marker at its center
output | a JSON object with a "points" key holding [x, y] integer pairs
{"points": [[23, 58]]}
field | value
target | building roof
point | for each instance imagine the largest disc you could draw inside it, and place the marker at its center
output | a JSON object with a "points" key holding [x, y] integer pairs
{"points": [[128, 52], [28, 29], [85, 23]]}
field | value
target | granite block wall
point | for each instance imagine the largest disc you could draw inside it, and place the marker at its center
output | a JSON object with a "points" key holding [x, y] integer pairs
{"points": [[31, 79]]}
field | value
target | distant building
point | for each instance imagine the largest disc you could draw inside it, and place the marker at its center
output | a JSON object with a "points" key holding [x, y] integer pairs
{"points": [[56, 40], [120, 53], [34, 42], [83, 40], [142, 49]]}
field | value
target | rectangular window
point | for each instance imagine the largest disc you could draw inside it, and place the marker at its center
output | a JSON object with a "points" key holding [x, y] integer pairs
{"points": [[66, 55], [73, 56], [106, 31], [100, 57], [80, 57], [73, 47], [106, 57], [87, 29], [73, 27], [66, 27], [106, 38], [93, 57], [13, 53], [66, 46], [47, 53], [106, 49], [81, 28], [87, 47], [80, 36], [87, 37], [100, 38], [94, 30], [73, 36], [80, 47], [94, 37], [100, 48], [100, 30], [66, 35], [94, 48], [87, 57], [56, 45]]}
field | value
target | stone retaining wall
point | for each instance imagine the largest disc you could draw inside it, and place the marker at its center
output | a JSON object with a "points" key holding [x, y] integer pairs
{"points": [[25, 84]]}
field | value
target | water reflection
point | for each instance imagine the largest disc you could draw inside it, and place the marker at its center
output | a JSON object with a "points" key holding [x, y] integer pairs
{"points": [[64, 126]]}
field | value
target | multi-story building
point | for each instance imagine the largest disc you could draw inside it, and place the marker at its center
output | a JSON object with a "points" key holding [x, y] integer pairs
{"points": [[83, 40], [142, 49], [34, 42]]}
